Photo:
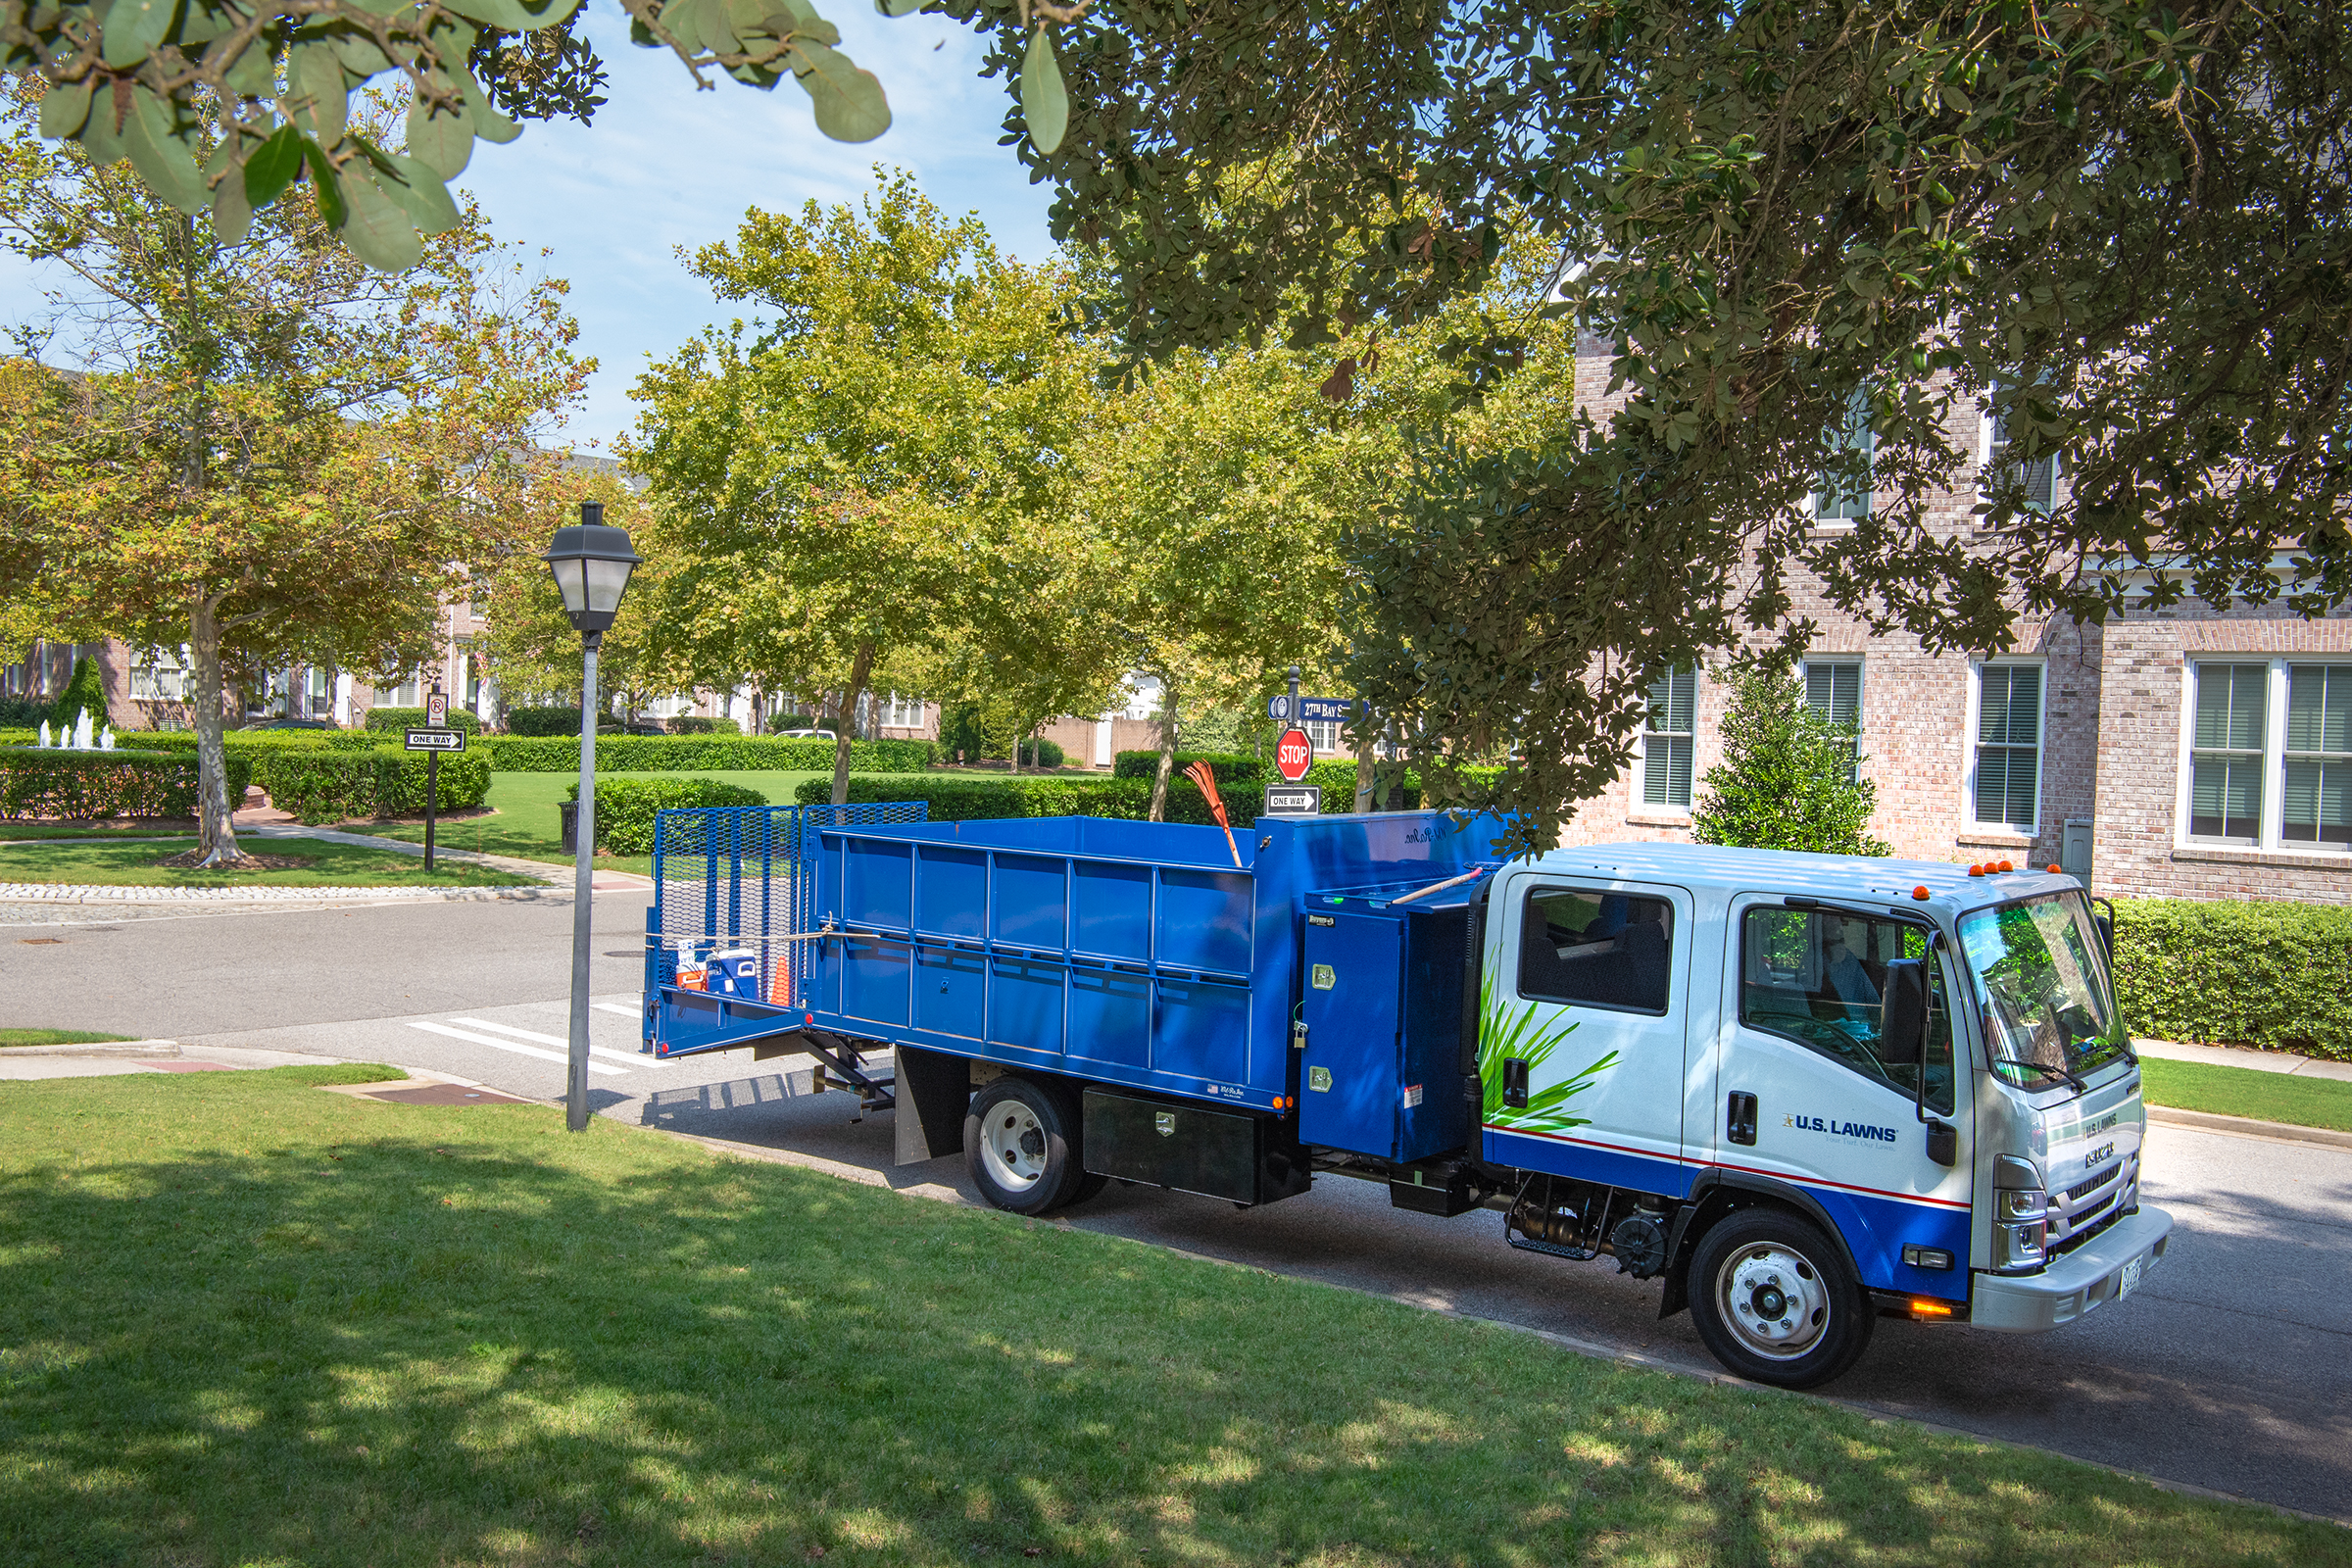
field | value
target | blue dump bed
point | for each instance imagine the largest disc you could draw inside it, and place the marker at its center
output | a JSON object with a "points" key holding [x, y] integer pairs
{"points": [[1128, 954]]}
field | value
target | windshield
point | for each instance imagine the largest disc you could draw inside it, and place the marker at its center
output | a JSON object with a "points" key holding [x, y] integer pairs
{"points": [[2042, 989]]}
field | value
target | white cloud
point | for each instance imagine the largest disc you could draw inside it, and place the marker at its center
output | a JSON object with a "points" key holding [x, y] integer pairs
{"points": [[665, 166]]}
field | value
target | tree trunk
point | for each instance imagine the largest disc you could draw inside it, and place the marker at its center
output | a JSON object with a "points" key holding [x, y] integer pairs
{"points": [[861, 666], [216, 830], [1168, 750], [1363, 767]]}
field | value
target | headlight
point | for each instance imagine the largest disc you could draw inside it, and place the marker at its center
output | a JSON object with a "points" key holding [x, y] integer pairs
{"points": [[2031, 1205]]}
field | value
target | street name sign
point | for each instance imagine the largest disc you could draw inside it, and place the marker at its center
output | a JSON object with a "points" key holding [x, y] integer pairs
{"points": [[1317, 709], [1294, 755], [435, 740], [1294, 800]]}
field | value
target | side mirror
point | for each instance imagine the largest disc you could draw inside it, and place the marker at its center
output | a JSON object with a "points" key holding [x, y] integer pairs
{"points": [[1903, 1020]]}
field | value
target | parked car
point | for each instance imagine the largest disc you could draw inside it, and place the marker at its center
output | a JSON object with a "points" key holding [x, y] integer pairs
{"points": [[295, 723], [804, 734]]}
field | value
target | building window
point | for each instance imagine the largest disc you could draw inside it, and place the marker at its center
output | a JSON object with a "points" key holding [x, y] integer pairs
{"points": [[1834, 690], [1841, 493], [2225, 759], [2317, 809], [1324, 733], [1669, 739], [2007, 785], [159, 675], [902, 712], [2039, 477]]}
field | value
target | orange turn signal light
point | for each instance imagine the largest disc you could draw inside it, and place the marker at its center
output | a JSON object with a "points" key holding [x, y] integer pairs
{"points": [[1920, 892], [2008, 865], [1924, 1308], [2056, 872], [1976, 871]]}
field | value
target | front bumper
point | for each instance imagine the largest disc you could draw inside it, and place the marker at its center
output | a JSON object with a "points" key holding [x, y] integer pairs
{"points": [[2102, 1269]]}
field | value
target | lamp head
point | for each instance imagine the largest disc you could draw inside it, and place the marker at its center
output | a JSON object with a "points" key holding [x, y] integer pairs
{"points": [[591, 564]]}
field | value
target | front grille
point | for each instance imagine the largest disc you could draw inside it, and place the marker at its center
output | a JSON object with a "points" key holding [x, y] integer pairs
{"points": [[2076, 1193]]}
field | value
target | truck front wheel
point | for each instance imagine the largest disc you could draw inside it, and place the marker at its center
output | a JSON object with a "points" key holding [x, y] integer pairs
{"points": [[1775, 1301], [1020, 1142]]}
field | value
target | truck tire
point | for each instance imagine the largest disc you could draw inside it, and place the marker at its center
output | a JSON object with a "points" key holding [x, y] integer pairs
{"points": [[1776, 1301], [1020, 1142]]}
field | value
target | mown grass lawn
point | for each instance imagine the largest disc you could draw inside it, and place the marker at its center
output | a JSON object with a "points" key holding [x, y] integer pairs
{"points": [[524, 822], [2243, 1092], [245, 1321], [54, 1037], [327, 865]]}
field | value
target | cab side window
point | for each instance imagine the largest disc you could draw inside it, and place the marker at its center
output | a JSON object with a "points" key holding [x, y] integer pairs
{"points": [[1597, 950], [1816, 976]]}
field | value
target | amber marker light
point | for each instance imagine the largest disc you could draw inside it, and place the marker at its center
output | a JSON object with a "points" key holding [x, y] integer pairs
{"points": [[2055, 871], [2008, 865], [1924, 1309], [1976, 871], [1919, 892]]}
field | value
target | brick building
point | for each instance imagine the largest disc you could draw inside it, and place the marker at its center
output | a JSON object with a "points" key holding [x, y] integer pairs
{"points": [[2177, 753]]}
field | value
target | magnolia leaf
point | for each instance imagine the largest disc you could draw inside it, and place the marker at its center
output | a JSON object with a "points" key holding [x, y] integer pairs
{"points": [[488, 122], [64, 108], [1045, 103], [272, 166], [416, 190], [315, 82], [253, 72], [360, 55], [101, 136], [849, 103], [132, 28], [323, 176], [160, 156], [440, 138], [202, 23], [898, 8], [383, 8], [377, 231], [515, 16], [232, 213], [798, 18]]}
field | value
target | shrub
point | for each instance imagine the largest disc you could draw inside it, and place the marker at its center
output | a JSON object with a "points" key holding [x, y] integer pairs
{"points": [[625, 807], [399, 719], [1788, 778], [332, 784], [78, 786], [717, 754], [695, 725], [2275, 975], [1038, 751], [1230, 768], [544, 720], [22, 713], [85, 688]]}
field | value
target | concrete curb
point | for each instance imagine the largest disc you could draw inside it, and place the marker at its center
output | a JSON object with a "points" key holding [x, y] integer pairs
{"points": [[2249, 1127], [91, 892], [937, 1193]]}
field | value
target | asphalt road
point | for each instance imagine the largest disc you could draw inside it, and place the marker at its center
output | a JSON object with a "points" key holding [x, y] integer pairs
{"points": [[2229, 1369]]}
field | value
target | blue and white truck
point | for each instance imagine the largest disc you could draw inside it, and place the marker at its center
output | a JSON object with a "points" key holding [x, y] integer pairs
{"points": [[1803, 1092]]}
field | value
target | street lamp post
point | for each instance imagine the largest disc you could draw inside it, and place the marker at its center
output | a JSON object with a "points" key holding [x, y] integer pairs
{"points": [[591, 564]]}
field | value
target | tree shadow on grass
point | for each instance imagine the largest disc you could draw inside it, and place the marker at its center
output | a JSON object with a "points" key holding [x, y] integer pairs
{"points": [[246, 1321]]}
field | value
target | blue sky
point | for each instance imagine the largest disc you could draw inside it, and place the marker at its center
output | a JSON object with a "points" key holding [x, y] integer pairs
{"points": [[665, 166]]}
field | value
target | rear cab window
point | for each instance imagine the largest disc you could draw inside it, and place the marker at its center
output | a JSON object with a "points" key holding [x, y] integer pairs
{"points": [[1595, 949]]}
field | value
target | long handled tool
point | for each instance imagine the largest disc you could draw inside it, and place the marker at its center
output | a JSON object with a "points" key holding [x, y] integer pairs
{"points": [[1202, 775]]}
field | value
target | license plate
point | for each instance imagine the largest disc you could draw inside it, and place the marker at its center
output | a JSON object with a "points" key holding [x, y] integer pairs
{"points": [[2130, 1280]]}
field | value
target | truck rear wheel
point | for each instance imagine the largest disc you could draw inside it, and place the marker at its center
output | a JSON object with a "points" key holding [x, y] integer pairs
{"points": [[1775, 1301], [1020, 1142]]}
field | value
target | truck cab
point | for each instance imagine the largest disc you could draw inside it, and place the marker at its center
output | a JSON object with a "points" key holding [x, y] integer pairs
{"points": [[1802, 1092]]}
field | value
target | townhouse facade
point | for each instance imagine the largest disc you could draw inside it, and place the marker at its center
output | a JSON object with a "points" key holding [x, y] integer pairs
{"points": [[2169, 752]]}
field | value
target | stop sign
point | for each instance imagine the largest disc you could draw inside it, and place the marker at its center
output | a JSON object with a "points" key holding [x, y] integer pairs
{"points": [[1293, 754]]}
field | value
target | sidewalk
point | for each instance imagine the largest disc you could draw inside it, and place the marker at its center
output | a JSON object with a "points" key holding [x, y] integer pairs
{"points": [[2251, 1061], [110, 1058]]}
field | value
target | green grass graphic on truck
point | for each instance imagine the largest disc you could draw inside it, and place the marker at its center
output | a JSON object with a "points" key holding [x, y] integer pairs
{"points": [[1502, 1034]]}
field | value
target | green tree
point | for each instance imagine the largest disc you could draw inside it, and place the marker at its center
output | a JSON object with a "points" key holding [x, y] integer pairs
{"points": [[870, 477], [269, 453], [1789, 779]]}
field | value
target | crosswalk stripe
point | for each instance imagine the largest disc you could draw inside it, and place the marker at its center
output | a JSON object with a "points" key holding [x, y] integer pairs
{"points": [[551, 1040], [614, 1006], [508, 1045]]}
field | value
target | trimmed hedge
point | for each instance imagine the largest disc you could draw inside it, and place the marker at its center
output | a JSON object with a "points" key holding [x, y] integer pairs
{"points": [[397, 718], [81, 786], [717, 754], [2274, 975], [625, 807], [543, 721], [1039, 751], [971, 800], [336, 784]]}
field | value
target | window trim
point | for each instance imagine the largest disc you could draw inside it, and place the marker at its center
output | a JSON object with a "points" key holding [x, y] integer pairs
{"points": [[1977, 667], [2270, 838], [1531, 890]]}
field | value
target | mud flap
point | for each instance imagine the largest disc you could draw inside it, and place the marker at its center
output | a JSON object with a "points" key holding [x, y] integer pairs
{"points": [[934, 1090]]}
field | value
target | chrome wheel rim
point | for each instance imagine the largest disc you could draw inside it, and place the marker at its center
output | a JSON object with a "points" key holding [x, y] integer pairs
{"points": [[1774, 1301], [1016, 1146]]}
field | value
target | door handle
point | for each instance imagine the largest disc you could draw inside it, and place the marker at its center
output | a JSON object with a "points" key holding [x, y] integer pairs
{"points": [[1740, 1118], [1514, 1083]]}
